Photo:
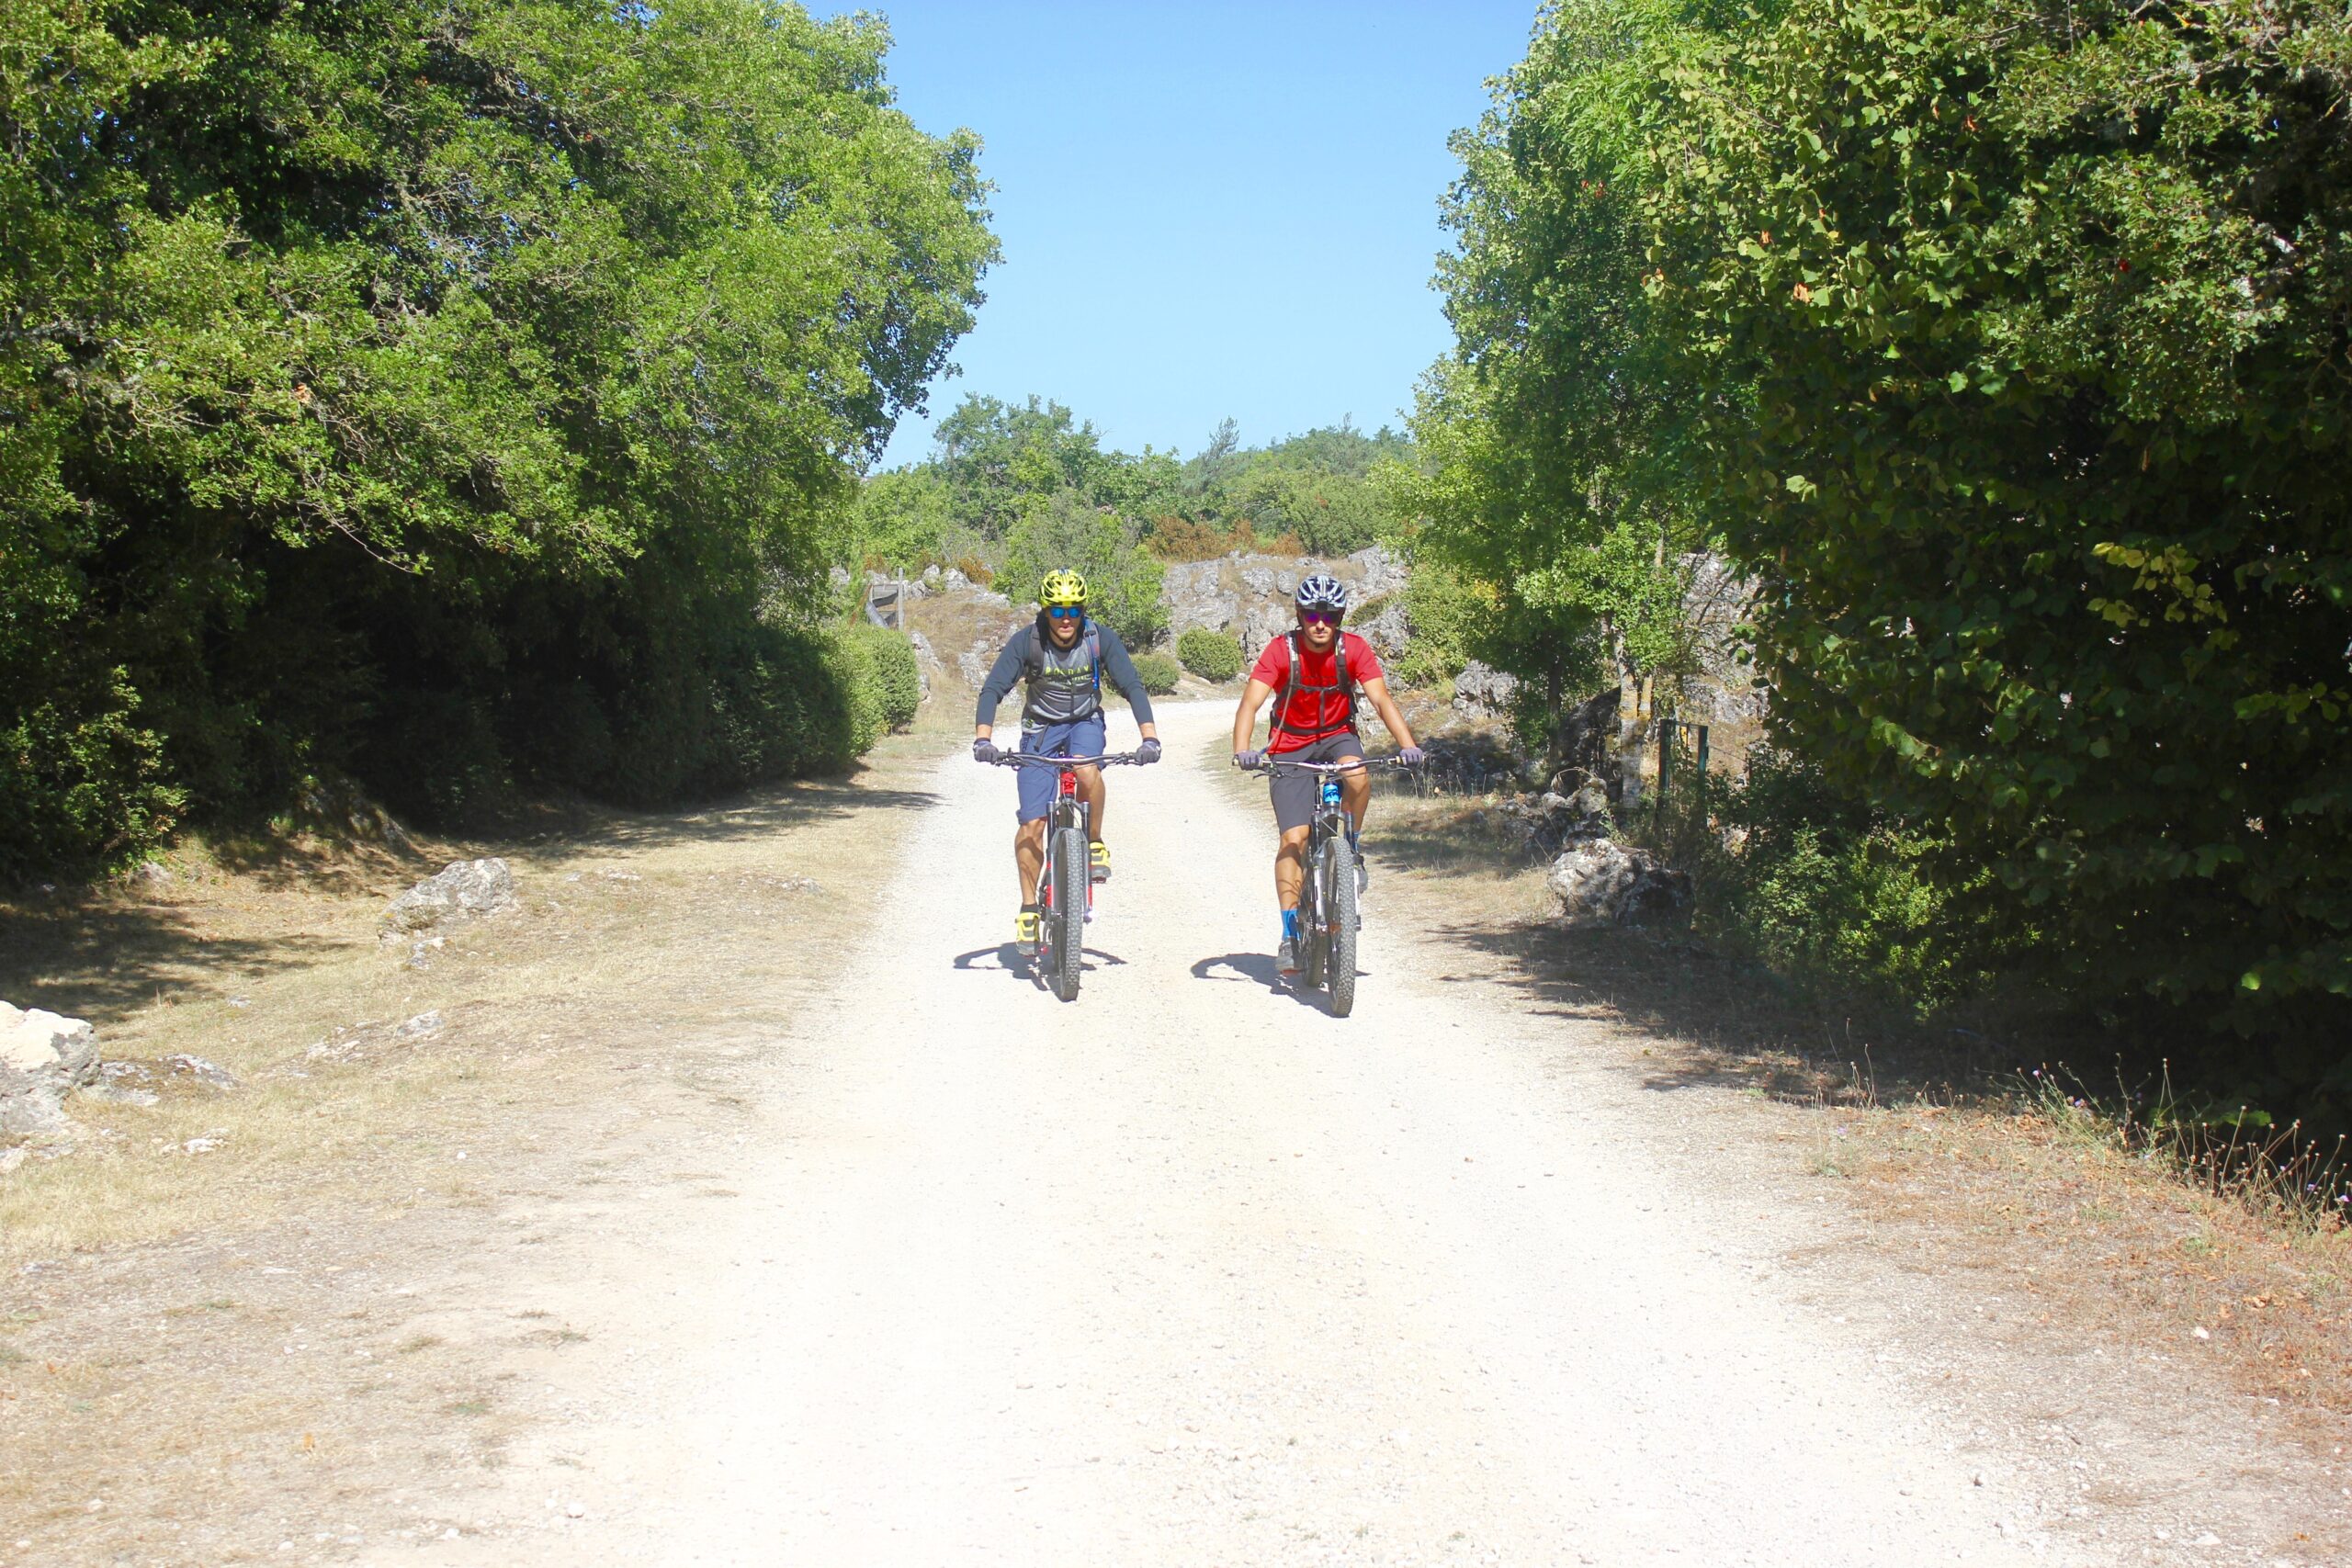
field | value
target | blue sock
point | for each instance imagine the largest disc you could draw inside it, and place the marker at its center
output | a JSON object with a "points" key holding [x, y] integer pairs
{"points": [[1290, 925]]}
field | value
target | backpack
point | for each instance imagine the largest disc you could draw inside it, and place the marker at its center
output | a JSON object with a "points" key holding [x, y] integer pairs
{"points": [[1293, 680], [1033, 658]]}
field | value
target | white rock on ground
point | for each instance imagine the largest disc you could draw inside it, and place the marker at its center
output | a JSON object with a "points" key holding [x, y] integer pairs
{"points": [[1601, 883], [465, 890], [43, 1057]]}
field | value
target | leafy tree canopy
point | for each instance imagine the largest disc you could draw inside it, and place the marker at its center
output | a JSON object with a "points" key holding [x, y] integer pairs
{"points": [[2009, 346], [366, 369]]}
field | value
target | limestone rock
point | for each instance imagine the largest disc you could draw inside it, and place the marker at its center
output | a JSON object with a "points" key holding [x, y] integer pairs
{"points": [[465, 890], [1601, 883], [926, 661], [43, 1057], [1481, 692]]}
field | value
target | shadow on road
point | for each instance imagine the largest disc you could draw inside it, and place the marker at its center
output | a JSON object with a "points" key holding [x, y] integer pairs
{"points": [[1006, 955], [1246, 967], [1714, 1020], [1259, 968]]}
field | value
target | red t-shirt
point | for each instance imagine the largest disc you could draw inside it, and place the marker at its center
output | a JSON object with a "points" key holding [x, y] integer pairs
{"points": [[1308, 716]]}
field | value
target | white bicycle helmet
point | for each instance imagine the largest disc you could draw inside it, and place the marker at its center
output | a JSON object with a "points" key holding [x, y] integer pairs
{"points": [[1322, 592]]}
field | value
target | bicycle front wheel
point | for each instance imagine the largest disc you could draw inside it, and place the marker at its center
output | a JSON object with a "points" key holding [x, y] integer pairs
{"points": [[1340, 915], [1069, 913]]}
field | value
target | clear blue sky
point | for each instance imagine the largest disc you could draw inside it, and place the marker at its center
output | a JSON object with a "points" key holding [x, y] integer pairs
{"points": [[1206, 209]]}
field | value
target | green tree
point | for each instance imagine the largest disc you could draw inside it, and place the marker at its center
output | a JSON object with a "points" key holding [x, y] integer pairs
{"points": [[2027, 338], [1064, 532], [429, 391], [2007, 345], [1553, 444]]}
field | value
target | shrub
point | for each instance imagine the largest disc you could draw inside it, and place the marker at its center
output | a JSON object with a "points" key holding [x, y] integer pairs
{"points": [[1834, 893], [1213, 656], [888, 666], [83, 790], [1190, 539], [1159, 673]]}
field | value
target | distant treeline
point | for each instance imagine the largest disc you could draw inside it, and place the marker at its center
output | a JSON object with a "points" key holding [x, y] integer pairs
{"points": [[1011, 488], [2008, 347], [457, 397]]}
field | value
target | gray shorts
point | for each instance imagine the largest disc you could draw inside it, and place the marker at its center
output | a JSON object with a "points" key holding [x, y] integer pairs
{"points": [[1295, 794]]}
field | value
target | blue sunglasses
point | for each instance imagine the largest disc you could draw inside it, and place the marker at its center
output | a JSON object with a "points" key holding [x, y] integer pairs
{"points": [[1065, 612]]}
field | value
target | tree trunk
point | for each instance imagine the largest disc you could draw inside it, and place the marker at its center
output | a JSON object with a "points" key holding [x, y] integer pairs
{"points": [[1632, 723]]}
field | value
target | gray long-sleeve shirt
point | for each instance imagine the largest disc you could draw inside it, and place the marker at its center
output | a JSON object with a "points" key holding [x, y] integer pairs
{"points": [[1063, 682]]}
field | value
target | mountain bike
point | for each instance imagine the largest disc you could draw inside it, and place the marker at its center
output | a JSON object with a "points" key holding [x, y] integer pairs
{"points": [[1326, 902], [1064, 895]]}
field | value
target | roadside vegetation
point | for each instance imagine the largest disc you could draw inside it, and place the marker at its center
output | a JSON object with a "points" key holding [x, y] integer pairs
{"points": [[1210, 655], [2002, 352], [1008, 484], [464, 401]]}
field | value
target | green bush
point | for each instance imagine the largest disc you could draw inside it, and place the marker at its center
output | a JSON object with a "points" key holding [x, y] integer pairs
{"points": [[887, 667], [1837, 895], [1213, 656], [82, 793], [1159, 673]]}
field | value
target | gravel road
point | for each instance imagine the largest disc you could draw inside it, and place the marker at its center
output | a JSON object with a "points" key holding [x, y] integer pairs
{"points": [[1190, 1272]]}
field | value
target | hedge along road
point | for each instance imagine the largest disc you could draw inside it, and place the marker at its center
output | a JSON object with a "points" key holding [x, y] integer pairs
{"points": [[1190, 1272]]}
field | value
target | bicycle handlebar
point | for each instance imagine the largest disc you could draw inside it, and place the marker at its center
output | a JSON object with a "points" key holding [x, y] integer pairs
{"points": [[1354, 765], [1038, 759]]}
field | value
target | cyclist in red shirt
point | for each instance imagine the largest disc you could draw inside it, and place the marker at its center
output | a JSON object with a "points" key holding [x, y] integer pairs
{"points": [[1317, 669]]}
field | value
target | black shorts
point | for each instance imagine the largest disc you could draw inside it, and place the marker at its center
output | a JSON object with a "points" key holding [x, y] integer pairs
{"points": [[1295, 794]]}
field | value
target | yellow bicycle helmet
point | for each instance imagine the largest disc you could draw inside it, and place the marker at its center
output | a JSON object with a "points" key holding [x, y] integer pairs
{"points": [[1061, 588]]}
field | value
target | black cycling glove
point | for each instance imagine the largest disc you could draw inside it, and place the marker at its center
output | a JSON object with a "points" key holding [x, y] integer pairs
{"points": [[1149, 752], [984, 751]]}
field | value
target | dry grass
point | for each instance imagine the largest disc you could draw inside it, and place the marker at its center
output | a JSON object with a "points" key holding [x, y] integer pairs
{"points": [[220, 1345], [271, 968], [2106, 1240]]}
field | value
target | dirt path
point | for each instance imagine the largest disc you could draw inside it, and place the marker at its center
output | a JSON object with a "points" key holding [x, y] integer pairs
{"points": [[1189, 1272]]}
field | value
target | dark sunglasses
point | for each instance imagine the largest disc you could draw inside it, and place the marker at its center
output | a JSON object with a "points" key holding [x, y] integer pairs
{"points": [[1065, 612], [1321, 618]]}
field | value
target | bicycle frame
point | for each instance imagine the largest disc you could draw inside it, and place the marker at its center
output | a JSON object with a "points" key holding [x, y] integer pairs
{"points": [[1326, 912], [1058, 928]]}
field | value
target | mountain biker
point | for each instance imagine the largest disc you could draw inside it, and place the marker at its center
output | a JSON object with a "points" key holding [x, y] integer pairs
{"points": [[1317, 670], [1063, 657]]}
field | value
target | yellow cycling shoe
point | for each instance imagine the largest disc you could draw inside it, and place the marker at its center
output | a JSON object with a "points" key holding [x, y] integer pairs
{"points": [[1024, 930], [1102, 861]]}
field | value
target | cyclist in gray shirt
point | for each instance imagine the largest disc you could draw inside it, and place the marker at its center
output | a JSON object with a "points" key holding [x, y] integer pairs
{"points": [[1063, 657]]}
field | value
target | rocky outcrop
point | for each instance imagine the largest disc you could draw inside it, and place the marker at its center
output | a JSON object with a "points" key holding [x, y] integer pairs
{"points": [[43, 1057], [466, 889], [1250, 596], [1601, 883], [1482, 692], [1574, 810]]}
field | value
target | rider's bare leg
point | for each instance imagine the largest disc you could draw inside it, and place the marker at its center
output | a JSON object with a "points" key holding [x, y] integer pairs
{"points": [[1090, 789], [1290, 866], [1029, 855], [1355, 795]]}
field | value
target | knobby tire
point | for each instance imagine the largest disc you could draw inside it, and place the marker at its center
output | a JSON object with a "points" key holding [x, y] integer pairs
{"points": [[1339, 913], [1069, 913]]}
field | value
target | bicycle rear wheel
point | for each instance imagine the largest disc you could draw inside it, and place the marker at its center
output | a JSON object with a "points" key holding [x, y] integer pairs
{"points": [[1069, 913], [1339, 913]]}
